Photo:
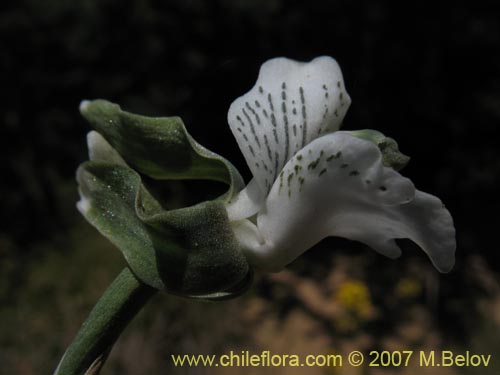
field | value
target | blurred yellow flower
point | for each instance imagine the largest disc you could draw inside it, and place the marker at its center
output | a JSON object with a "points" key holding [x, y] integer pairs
{"points": [[355, 297]]}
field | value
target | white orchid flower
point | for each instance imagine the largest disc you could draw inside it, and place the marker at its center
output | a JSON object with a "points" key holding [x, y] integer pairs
{"points": [[312, 181]]}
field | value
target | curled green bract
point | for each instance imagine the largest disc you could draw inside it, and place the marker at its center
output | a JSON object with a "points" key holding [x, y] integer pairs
{"points": [[190, 251]]}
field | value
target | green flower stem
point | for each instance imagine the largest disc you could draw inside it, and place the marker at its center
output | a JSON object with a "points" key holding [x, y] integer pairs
{"points": [[124, 298]]}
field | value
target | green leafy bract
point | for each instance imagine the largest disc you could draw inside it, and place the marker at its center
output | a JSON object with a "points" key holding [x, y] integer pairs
{"points": [[159, 147], [391, 156], [190, 251]]}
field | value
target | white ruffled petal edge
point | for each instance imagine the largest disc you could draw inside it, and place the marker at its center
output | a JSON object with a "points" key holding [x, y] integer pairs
{"points": [[338, 186]]}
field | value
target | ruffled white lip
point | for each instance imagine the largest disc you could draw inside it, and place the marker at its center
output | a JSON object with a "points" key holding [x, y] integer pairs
{"points": [[323, 182], [351, 195]]}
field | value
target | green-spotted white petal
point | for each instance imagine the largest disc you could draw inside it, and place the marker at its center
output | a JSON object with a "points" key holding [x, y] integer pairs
{"points": [[291, 104], [338, 186]]}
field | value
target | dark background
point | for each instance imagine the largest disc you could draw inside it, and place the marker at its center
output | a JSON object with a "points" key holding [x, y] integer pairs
{"points": [[426, 74]]}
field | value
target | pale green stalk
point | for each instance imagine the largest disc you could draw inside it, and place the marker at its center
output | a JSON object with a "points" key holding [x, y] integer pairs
{"points": [[124, 298]]}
